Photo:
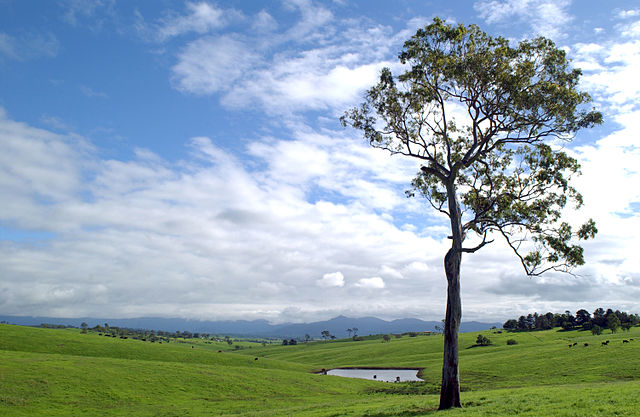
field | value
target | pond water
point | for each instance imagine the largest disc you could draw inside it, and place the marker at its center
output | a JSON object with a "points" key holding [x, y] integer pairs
{"points": [[387, 375]]}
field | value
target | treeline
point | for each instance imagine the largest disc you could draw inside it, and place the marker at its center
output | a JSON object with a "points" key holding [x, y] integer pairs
{"points": [[151, 335], [155, 335], [600, 319]]}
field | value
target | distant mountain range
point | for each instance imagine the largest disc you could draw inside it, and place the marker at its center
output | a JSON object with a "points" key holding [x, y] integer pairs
{"points": [[259, 328]]}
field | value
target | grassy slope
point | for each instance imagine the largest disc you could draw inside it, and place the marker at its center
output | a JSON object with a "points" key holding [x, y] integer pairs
{"points": [[62, 372]]}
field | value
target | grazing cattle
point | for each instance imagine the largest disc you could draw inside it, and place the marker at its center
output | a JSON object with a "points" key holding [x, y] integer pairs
{"points": [[625, 341], [575, 343], [570, 345], [219, 351], [631, 340], [604, 343], [255, 359], [586, 344]]}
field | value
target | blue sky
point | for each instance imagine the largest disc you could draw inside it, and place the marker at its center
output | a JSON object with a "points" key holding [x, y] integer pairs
{"points": [[175, 158]]}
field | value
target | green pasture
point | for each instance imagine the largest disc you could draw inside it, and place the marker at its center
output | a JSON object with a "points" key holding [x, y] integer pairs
{"points": [[63, 372]]}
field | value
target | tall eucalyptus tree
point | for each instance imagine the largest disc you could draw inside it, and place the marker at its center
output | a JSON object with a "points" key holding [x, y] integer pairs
{"points": [[499, 171]]}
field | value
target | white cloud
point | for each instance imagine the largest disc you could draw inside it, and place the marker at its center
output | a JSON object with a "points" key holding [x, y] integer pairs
{"points": [[610, 72], [91, 93], [345, 59], [201, 18], [312, 18], [29, 46], [264, 22], [625, 14], [547, 17], [370, 283], [333, 279], [96, 10], [37, 166], [212, 64], [387, 271], [303, 83], [198, 233], [632, 30]]}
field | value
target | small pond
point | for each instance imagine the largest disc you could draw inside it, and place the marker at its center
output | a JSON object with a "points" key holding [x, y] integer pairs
{"points": [[387, 375]]}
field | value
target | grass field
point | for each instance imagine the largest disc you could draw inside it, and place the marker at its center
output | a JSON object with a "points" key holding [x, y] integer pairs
{"points": [[63, 372]]}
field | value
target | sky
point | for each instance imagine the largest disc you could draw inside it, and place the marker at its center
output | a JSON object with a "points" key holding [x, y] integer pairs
{"points": [[185, 159]]}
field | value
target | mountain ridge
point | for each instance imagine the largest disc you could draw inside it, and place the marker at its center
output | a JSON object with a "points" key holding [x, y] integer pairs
{"points": [[337, 326]]}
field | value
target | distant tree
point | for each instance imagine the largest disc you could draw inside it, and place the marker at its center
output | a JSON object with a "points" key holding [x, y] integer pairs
{"points": [[293, 342], [613, 322], [567, 325], [355, 331], [599, 317], [522, 323], [543, 322], [386, 338], [84, 326], [569, 317], [582, 317], [510, 324], [551, 319], [285, 342], [307, 337], [531, 322], [325, 334], [349, 332], [596, 330], [625, 327]]}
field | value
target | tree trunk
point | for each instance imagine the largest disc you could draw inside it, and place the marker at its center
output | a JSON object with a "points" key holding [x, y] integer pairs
{"points": [[450, 388]]}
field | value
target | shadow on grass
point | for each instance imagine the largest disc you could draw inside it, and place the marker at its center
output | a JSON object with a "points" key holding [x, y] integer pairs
{"points": [[416, 412], [407, 388]]}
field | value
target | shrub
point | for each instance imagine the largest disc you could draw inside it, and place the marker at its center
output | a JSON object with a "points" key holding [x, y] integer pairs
{"points": [[483, 341], [512, 342]]}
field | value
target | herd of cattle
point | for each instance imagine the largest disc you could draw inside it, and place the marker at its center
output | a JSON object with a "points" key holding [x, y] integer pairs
{"points": [[605, 343]]}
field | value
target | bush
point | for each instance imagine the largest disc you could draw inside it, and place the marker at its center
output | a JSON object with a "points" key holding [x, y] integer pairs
{"points": [[483, 341], [512, 342], [595, 330]]}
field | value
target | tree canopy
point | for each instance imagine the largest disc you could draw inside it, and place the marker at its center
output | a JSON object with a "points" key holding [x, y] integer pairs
{"points": [[514, 99]]}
